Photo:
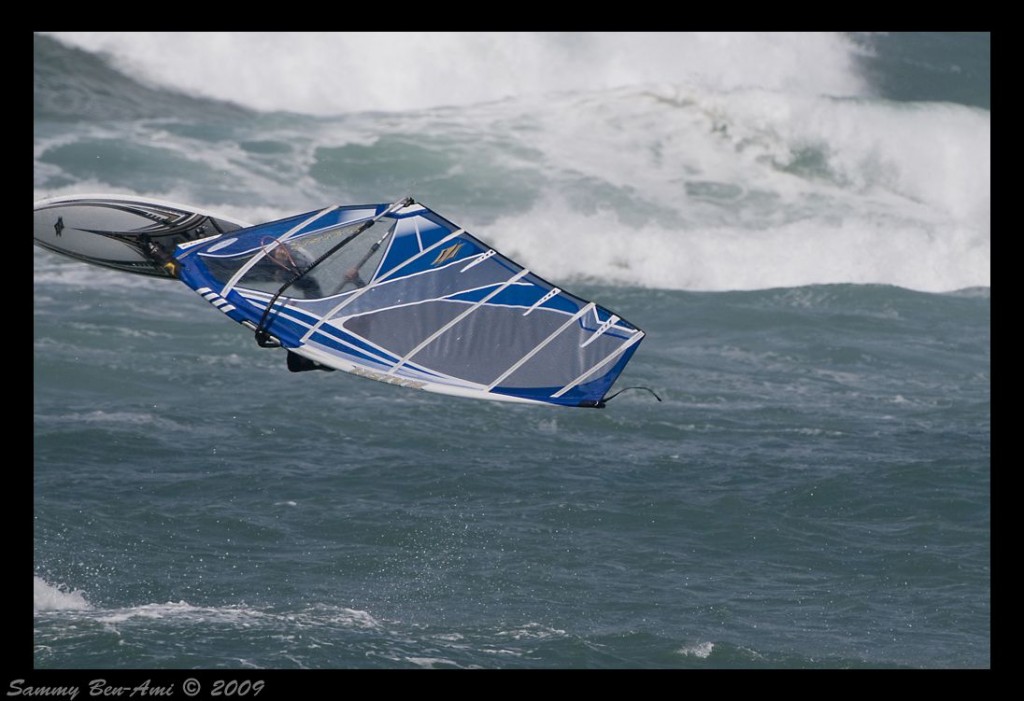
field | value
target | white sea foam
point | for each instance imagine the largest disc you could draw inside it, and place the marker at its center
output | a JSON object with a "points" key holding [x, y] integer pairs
{"points": [[435, 663], [333, 73], [751, 190], [701, 650], [675, 161], [184, 613], [49, 597], [531, 631]]}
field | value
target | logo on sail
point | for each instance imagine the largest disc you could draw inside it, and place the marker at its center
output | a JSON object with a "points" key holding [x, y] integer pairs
{"points": [[447, 254]]}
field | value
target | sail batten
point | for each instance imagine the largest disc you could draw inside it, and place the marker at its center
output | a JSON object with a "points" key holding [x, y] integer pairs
{"points": [[451, 324], [601, 363], [540, 346], [604, 327], [554, 291], [382, 278]]}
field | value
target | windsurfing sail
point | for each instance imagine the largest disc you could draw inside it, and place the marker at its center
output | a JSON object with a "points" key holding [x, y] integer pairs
{"points": [[399, 294]]}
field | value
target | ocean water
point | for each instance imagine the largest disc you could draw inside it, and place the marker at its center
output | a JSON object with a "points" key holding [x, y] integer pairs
{"points": [[800, 223]]}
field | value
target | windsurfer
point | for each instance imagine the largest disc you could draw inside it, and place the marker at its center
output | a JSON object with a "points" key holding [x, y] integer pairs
{"points": [[289, 265]]}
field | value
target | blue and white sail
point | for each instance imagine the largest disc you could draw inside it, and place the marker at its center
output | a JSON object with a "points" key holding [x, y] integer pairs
{"points": [[399, 294]]}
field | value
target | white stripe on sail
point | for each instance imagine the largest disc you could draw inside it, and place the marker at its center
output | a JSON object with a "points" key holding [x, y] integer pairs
{"points": [[363, 290], [478, 260], [430, 339], [266, 250], [635, 338], [536, 349], [542, 300], [604, 327]]}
